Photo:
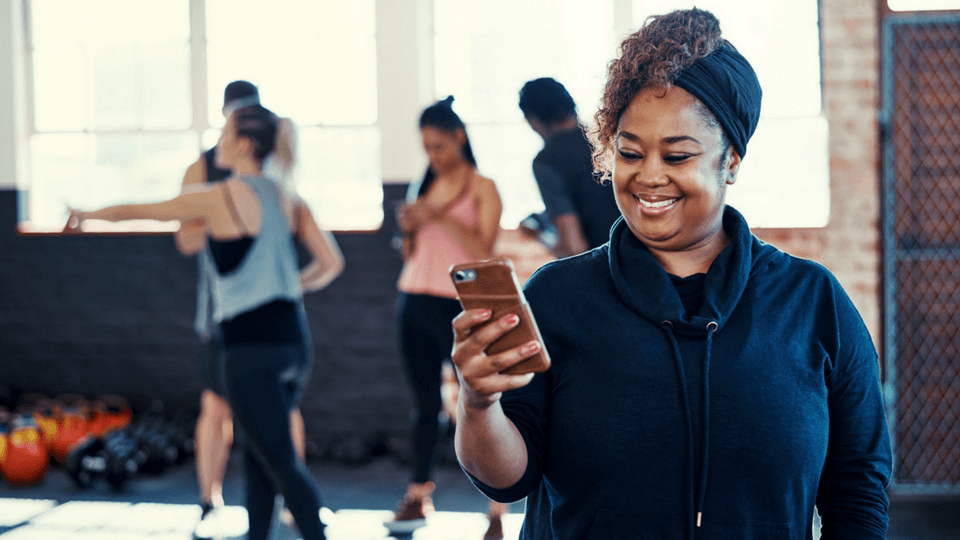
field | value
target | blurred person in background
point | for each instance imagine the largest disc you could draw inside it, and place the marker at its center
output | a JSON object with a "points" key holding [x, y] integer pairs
{"points": [[580, 209], [214, 428], [250, 223], [452, 216]]}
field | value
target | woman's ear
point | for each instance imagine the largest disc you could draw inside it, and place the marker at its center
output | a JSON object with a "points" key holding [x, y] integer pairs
{"points": [[732, 166], [461, 137], [244, 147]]}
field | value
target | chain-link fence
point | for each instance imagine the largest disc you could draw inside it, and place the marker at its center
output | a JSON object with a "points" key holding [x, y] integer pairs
{"points": [[921, 85]]}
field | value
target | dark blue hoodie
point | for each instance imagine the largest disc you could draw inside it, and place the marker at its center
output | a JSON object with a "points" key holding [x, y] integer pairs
{"points": [[751, 411]]}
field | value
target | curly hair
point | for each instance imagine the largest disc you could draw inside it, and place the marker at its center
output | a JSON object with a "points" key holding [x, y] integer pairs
{"points": [[652, 57]]}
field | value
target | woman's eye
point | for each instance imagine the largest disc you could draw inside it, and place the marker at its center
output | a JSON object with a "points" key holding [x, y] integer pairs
{"points": [[627, 154], [676, 158]]}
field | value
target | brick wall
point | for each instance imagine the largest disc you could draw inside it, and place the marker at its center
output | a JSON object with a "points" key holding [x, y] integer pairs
{"points": [[850, 244]]}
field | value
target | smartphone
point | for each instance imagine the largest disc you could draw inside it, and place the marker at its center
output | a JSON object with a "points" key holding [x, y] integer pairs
{"points": [[494, 285]]}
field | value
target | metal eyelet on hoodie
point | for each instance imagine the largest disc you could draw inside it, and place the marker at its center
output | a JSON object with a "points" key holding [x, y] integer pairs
{"points": [[713, 324], [666, 324]]}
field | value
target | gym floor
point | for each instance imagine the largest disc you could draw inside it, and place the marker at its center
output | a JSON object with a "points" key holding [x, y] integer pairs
{"points": [[163, 507]]}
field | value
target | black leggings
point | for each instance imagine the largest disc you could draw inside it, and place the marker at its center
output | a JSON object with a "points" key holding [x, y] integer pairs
{"points": [[426, 339], [264, 383]]}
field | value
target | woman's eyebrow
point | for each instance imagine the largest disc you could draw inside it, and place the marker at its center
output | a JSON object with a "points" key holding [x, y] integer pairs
{"points": [[680, 138]]}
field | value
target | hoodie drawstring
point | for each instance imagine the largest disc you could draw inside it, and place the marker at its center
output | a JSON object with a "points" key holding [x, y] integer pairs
{"points": [[704, 466], [677, 360], [705, 460]]}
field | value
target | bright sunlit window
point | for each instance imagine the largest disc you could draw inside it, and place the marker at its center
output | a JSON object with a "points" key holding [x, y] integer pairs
{"points": [[487, 49], [784, 179], [111, 104], [314, 62], [115, 98], [924, 5]]}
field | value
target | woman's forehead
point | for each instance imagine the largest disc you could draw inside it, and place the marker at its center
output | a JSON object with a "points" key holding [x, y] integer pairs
{"points": [[655, 115], [430, 132]]}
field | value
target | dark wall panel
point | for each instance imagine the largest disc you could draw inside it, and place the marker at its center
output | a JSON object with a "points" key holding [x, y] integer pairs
{"points": [[114, 314]]}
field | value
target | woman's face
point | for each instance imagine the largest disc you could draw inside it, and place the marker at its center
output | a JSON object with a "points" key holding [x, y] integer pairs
{"points": [[670, 176], [444, 149], [230, 147]]}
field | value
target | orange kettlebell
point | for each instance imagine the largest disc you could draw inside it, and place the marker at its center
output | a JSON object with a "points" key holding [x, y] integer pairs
{"points": [[98, 424], [4, 428], [46, 418], [118, 412], [71, 427], [25, 458]]}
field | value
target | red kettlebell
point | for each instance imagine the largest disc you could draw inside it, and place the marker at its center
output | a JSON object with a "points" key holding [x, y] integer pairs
{"points": [[118, 411], [71, 427], [98, 424], [25, 458]]}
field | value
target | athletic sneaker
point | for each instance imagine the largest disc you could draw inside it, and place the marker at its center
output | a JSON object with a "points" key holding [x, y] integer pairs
{"points": [[495, 530], [209, 527], [411, 514]]}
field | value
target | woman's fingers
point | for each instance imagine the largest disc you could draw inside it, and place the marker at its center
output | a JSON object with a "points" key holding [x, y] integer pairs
{"points": [[481, 374], [464, 322]]}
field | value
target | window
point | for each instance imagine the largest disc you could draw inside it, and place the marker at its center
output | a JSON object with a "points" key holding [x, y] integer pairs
{"points": [[923, 5], [314, 62], [784, 180], [487, 49], [118, 114], [111, 118], [123, 95]]}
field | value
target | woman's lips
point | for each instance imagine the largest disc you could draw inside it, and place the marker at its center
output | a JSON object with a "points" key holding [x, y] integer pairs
{"points": [[655, 206]]}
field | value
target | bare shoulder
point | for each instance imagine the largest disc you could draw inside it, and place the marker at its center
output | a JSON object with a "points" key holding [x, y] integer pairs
{"points": [[485, 187], [196, 173]]}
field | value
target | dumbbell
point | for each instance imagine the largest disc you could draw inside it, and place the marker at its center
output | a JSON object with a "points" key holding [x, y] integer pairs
{"points": [[124, 457], [150, 432], [85, 461]]}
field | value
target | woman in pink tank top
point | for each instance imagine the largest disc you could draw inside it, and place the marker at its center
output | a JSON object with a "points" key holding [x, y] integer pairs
{"points": [[451, 217]]}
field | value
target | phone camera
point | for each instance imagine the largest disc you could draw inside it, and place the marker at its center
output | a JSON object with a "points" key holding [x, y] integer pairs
{"points": [[464, 275]]}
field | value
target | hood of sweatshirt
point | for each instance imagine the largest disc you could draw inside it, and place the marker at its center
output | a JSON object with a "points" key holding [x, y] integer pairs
{"points": [[645, 287]]}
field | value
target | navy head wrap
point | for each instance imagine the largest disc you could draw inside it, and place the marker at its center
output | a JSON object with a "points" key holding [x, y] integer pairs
{"points": [[728, 86]]}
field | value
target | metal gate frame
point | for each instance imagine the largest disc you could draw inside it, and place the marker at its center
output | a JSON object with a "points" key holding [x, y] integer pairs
{"points": [[888, 187]]}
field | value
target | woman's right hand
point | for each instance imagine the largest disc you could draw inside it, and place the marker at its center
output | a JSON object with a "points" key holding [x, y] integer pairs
{"points": [[411, 216], [481, 383]]}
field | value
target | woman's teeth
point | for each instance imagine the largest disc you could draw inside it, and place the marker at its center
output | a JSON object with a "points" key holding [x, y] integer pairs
{"points": [[658, 204]]}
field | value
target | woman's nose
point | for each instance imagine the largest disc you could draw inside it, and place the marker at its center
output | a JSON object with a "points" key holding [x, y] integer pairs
{"points": [[652, 172]]}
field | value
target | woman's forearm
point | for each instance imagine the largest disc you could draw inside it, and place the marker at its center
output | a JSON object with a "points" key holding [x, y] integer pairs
{"points": [[317, 275], [119, 212], [489, 446]]}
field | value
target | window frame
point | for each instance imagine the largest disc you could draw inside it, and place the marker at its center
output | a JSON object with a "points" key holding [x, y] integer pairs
{"points": [[200, 125]]}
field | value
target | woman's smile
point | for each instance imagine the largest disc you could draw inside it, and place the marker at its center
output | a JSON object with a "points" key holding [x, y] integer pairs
{"points": [[656, 205]]}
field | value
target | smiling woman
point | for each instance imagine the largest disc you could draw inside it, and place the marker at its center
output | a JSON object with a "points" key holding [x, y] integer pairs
{"points": [[703, 383], [670, 176]]}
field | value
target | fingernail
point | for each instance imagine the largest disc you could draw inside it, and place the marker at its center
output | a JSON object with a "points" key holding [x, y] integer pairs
{"points": [[511, 320], [532, 347], [484, 313]]}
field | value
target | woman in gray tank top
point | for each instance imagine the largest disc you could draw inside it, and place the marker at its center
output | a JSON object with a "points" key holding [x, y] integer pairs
{"points": [[257, 300]]}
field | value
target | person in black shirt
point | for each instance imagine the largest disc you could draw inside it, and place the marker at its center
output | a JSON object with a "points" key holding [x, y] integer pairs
{"points": [[580, 208]]}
